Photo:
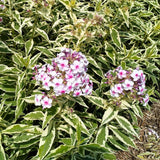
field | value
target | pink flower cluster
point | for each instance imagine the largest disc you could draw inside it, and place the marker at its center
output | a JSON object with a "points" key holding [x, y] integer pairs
{"points": [[66, 75], [127, 83]]}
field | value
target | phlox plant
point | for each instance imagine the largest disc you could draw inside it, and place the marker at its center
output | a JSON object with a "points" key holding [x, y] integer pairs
{"points": [[66, 75], [56, 101], [127, 84]]}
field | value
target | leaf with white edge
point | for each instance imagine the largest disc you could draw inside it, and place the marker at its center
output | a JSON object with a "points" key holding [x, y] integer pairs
{"points": [[29, 46], [108, 115], [112, 56], [73, 120], [4, 48], [46, 143], [93, 62], [21, 128], [24, 144], [66, 3], [109, 156], [102, 135], [42, 33], [7, 88], [125, 15], [4, 68], [97, 101], [49, 115], [2, 153], [94, 148], [116, 143], [34, 59], [122, 137], [19, 108], [45, 51], [79, 100], [36, 115], [98, 72], [151, 52], [115, 37], [30, 99], [60, 151], [126, 125], [137, 110], [17, 59], [125, 105], [25, 137]]}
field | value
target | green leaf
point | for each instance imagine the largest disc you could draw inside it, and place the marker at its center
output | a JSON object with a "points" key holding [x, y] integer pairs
{"points": [[66, 3], [137, 110], [21, 128], [4, 48], [43, 34], [126, 125], [36, 115], [60, 151], [19, 108], [49, 115], [109, 115], [45, 51], [98, 72], [7, 88], [2, 153], [17, 59], [94, 148], [18, 39], [28, 46], [102, 135], [93, 62], [109, 156], [125, 15], [151, 52], [46, 143], [73, 120], [30, 99], [115, 37], [116, 143], [34, 59], [97, 101], [122, 137], [24, 137], [112, 56]]}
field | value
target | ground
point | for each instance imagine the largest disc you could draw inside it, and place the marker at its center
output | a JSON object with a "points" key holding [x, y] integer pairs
{"points": [[149, 142]]}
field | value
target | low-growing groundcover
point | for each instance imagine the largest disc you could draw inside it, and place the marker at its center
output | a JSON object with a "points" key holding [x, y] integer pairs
{"points": [[82, 105]]}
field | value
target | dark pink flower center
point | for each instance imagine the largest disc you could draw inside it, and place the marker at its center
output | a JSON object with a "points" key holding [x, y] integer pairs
{"points": [[128, 85], [46, 102], [62, 65], [77, 67]]}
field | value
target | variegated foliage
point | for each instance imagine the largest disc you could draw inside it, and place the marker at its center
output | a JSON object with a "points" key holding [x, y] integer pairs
{"points": [[110, 33]]}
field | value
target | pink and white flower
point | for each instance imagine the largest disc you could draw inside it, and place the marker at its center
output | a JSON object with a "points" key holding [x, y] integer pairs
{"points": [[146, 100], [63, 65], [77, 67], [121, 74], [113, 92], [118, 88], [77, 92], [38, 100], [46, 102], [128, 84], [141, 90], [135, 75]]}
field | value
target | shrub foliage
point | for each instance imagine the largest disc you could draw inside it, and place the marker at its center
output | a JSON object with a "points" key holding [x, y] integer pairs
{"points": [[110, 33]]}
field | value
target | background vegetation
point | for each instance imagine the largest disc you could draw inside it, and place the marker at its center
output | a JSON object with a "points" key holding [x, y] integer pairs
{"points": [[110, 33]]}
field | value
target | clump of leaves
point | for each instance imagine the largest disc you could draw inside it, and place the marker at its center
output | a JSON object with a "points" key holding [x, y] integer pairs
{"points": [[122, 33]]}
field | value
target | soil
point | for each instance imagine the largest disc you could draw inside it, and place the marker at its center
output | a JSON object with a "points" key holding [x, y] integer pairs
{"points": [[149, 140]]}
